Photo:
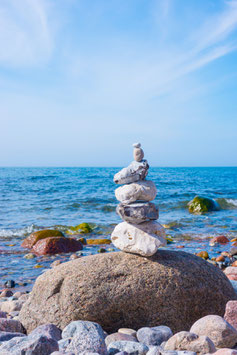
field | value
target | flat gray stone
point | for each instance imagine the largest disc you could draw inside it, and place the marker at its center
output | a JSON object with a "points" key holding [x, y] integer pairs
{"points": [[138, 212], [30, 345], [49, 330], [134, 172], [129, 347], [154, 335], [5, 336], [86, 337]]}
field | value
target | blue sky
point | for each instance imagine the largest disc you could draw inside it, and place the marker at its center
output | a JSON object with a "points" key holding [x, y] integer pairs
{"points": [[80, 81]]}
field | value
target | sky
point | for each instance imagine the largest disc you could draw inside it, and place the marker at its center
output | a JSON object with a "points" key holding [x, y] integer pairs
{"points": [[81, 81]]}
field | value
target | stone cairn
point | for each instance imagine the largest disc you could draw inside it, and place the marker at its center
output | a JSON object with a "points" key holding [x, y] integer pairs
{"points": [[140, 233]]}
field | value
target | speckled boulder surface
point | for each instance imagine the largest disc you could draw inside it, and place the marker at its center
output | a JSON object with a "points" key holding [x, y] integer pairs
{"points": [[125, 290]]}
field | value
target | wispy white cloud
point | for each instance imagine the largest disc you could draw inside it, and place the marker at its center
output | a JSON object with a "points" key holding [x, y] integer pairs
{"points": [[25, 36]]}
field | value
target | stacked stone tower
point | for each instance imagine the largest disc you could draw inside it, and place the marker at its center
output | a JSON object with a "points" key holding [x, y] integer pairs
{"points": [[140, 233]]}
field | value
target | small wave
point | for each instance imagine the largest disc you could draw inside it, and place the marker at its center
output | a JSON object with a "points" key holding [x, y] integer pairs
{"points": [[227, 203], [21, 232], [43, 177]]}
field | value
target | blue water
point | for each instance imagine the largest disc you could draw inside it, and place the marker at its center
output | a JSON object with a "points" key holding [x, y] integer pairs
{"points": [[36, 198]]}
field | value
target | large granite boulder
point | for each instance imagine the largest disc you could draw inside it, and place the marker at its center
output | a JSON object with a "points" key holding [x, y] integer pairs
{"points": [[126, 290]]}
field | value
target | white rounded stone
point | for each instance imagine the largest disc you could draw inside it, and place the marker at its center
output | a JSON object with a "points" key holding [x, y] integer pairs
{"points": [[137, 191], [143, 239]]}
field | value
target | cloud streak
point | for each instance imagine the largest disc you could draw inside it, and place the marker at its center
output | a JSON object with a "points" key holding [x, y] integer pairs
{"points": [[25, 38]]}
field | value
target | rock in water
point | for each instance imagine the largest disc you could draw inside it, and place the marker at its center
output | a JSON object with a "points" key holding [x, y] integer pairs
{"points": [[137, 191], [30, 241], [143, 239], [202, 205], [56, 245], [134, 172], [120, 290], [138, 212]]}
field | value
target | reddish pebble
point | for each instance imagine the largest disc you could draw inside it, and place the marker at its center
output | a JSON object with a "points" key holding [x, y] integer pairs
{"points": [[225, 351], [234, 263], [220, 258], [179, 246], [221, 239], [231, 313]]}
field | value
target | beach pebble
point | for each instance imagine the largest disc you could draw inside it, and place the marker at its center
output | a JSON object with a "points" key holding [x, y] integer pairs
{"points": [[203, 254], [140, 190], [29, 256], [136, 171], [231, 313], [18, 294], [118, 337], [49, 330], [39, 345], [217, 329], [225, 351], [138, 212], [143, 239], [190, 342], [3, 314], [62, 353], [221, 239], [128, 331], [5, 336], [154, 335], [74, 256], [130, 347], [10, 283], [86, 336], [11, 306], [63, 343], [231, 272], [6, 293], [11, 325], [55, 263]]}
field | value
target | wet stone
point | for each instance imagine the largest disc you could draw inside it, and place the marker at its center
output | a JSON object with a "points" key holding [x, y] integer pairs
{"points": [[138, 212]]}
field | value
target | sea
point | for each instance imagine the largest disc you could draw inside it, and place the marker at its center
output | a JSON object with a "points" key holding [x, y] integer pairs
{"points": [[37, 198]]}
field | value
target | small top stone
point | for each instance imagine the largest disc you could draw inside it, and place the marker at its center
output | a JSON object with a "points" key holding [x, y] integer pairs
{"points": [[138, 153]]}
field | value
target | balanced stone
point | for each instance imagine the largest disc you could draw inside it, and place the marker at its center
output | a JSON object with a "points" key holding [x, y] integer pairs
{"points": [[138, 153], [137, 191], [143, 239], [138, 212], [134, 172]]}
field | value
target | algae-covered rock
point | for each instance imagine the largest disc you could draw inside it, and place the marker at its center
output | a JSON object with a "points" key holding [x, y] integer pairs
{"points": [[83, 228], [30, 241], [202, 205], [98, 241]]}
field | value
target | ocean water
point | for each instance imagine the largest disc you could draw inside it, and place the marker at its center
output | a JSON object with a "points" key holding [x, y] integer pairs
{"points": [[36, 198]]}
